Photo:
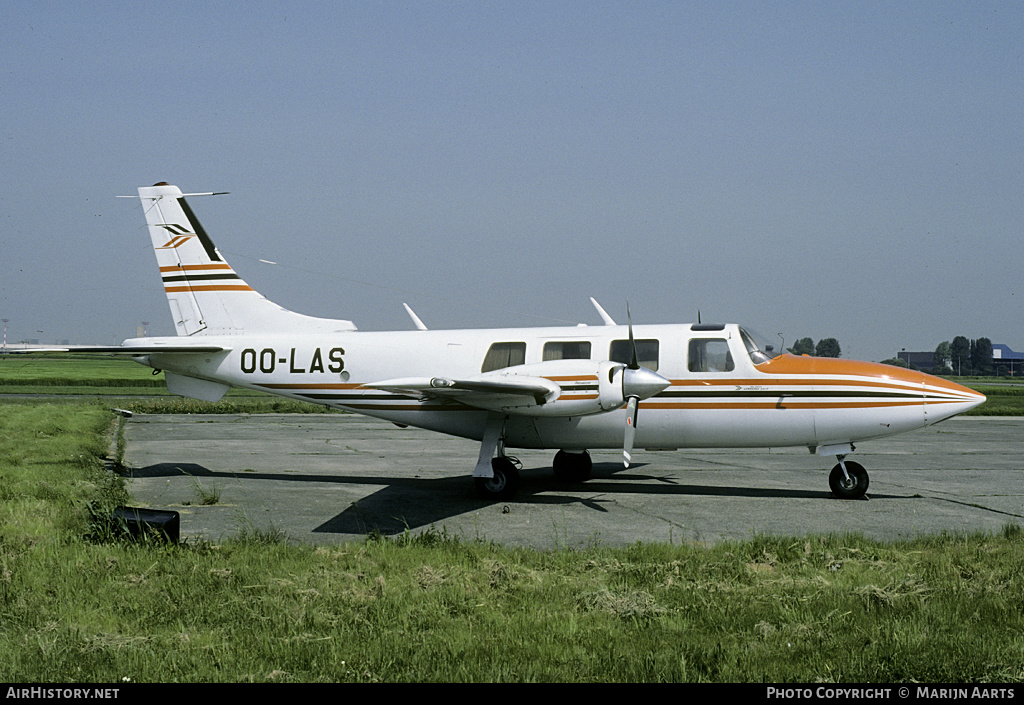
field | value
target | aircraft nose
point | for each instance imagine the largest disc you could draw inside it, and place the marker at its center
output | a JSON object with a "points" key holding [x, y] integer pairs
{"points": [[947, 399]]}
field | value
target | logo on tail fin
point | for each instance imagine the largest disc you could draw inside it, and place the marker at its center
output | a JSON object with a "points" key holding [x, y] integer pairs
{"points": [[181, 235]]}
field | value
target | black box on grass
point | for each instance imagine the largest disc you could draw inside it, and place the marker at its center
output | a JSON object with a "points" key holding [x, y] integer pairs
{"points": [[154, 522]]}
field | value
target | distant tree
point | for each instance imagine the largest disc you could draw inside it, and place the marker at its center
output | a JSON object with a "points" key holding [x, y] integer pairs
{"points": [[943, 355], [804, 346], [895, 362], [981, 356], [827, 347], [960, 355]]}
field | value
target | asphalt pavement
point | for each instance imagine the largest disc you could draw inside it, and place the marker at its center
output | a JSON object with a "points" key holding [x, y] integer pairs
{"points": [[333, 478]]}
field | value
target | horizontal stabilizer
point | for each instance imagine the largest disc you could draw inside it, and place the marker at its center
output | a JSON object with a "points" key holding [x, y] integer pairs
{"points": [[130, 350]]}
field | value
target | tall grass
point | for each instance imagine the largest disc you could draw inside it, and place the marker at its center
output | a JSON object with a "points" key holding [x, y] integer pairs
{"points": [[52, 469], [265, 404], [429, 606], [822, 609]]}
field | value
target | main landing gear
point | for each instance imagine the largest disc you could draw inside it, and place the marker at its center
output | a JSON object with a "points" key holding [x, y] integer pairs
{"points": [[848, 480], [572, 467], [505, 481], [496, 475], [569, 467]]}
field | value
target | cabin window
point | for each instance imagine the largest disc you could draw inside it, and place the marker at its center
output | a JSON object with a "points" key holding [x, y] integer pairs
{"points": [[646, 353], [568, 350], [502, 355], [710, 355]]}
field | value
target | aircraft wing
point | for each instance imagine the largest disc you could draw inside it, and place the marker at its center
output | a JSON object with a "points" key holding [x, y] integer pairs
{"points": [[554, 388], [491, 392]]}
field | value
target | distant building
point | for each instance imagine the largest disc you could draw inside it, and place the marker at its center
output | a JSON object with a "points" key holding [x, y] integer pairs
{"points": [[1006, 361], [917, 360]]}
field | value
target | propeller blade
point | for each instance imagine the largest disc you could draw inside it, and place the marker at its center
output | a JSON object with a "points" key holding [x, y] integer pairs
{"points": [[627, 445], [637, 383], [633, 364]]}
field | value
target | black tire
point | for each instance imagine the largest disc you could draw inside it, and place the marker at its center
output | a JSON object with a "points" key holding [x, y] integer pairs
{"points": [[855, 487], [503, 485], [572, 467]]}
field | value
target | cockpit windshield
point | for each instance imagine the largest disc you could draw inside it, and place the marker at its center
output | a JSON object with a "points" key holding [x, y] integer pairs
{"points": [[758, 350]]}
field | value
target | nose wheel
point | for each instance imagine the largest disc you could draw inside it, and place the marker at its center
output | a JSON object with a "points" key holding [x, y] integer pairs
{"points": [[848, 480]]}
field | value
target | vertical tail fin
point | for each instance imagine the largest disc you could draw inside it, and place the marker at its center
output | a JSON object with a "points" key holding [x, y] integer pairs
{"points": [[205, 294]]}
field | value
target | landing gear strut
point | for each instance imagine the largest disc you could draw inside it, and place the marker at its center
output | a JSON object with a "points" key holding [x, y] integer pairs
{"points": [[495, 476], [848, 480]]}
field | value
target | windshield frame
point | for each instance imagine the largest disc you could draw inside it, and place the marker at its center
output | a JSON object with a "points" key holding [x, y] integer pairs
{"points": [[755, 349]]}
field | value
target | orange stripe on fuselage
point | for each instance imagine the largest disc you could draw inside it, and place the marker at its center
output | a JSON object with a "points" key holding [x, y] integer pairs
{"points": [[789, 405], [822, 385], [574, 394], [886, 375], [807, 365], [322, 385]]}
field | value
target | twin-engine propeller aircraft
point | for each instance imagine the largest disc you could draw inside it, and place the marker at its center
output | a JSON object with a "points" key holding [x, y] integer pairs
{"points": [[565, 388]]}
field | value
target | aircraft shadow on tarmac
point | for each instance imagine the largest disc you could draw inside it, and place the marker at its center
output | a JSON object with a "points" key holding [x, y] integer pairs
{"points": [[406, 503]]}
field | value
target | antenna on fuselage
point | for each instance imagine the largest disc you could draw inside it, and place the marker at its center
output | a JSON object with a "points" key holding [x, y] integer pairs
{"points": [[415, 319], [604, 314]]}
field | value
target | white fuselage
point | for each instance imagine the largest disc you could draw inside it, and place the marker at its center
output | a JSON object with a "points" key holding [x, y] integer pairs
{"points": [[720, 396]]}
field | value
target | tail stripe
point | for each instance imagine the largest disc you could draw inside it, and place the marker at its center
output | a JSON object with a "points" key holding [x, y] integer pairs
{"points": [[199, 277], [194, 267], [208, 287]]}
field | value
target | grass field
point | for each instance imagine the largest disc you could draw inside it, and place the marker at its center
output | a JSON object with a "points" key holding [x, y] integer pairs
{"points": [[78, 605], [114, 377], [134, 387], [1001, 400]]}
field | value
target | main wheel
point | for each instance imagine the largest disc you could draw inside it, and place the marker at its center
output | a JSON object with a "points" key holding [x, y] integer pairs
{"points": [[572, 467], [503, 485], [855, 487]]}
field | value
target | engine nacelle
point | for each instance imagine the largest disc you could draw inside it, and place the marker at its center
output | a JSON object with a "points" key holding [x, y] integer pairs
{"points": [[554, 388], [585, 387]]}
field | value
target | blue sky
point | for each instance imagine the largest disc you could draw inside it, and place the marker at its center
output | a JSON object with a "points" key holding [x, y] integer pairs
{"points": [[847, 170]]}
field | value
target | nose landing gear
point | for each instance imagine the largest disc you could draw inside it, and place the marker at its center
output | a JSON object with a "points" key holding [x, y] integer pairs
{"points": [[848, 480]]}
